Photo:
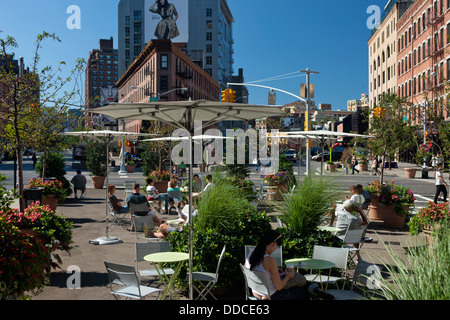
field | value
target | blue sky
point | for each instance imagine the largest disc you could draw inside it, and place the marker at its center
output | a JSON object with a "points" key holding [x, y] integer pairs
{"points": [[271, 38]]}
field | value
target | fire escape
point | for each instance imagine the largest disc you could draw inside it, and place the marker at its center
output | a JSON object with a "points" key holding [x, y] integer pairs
{"points": [[437, 52]]}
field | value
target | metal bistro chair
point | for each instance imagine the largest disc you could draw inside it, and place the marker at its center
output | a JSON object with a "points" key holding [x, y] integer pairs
{"points": [[209, 277], [255, 280], [339, 256], [354, 237], [174, 196], [277, 254], [367, 274], [145, 248], [126, 276], [140, 217], [128, 185], [118, 218]]}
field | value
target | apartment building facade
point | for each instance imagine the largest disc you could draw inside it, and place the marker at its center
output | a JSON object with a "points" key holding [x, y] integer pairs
{"points": [[423, 65], [207, 34], [161, 70], [101, 74]]}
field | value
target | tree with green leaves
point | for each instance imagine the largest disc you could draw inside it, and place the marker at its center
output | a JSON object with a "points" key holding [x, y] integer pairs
{"points": [[391, 132], [34, 104]]}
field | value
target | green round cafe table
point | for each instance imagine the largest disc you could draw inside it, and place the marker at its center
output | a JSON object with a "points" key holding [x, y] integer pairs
{"points": [[312, 264], [167, 257]]}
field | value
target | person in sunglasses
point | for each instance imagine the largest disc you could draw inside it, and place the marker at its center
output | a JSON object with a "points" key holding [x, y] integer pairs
{"points": [[260, 259]]}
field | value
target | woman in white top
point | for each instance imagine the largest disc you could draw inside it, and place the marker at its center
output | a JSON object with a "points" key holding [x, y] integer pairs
{"points": [[261, 260], [441, 185]]}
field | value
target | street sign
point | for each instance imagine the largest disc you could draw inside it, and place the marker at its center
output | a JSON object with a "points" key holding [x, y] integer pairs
{"points": [[425, 148]]}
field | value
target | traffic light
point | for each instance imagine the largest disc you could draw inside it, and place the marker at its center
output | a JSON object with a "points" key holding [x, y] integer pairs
{"points": [[377, 112], [232, 95], [426, 135], [224, 96]]}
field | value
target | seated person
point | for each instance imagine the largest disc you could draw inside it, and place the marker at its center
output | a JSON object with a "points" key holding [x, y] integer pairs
{"points": [[356, 197], [197, 186], [137, 198], [117, 206], [366, 195], [259, 259], [209, 185], [153, 194], [346, 219], [173, 186], [163, 231]]}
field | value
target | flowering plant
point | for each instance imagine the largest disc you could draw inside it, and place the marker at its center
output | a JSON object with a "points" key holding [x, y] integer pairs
{"points": [[160, 175], [399, 196], [429, 217], [50, 187], [278, 178]]}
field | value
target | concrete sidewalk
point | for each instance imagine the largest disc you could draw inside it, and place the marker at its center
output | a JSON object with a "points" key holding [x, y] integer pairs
{"points": [[88, 218]]}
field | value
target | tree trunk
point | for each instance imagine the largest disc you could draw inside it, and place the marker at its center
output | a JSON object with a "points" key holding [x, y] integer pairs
{"points": [[382, 166]]}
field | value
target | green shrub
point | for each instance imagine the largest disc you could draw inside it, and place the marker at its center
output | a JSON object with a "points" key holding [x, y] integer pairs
{"points": [[55, 167], [224, 218], [96, 158], [304, 207], [422, 273]]}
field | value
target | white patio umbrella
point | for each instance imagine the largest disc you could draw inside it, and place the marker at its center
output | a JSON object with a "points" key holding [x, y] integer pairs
{"points": [[109, 135], [183, 114]]}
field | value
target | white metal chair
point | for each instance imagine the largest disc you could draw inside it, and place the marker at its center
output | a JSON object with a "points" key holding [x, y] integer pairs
{"points": [[367, 274], [140, 216], [353, 240], [277, 254], [126, 277], [255, 280], [145, 248], [118, 218], [174, 196], [128, 185], [207, 279], [339, 256]]}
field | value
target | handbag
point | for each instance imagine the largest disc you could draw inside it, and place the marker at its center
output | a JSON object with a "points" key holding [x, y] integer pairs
{"points": [[298, 280]]}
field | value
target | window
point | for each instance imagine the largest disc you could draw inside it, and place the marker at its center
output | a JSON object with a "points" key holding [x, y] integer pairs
{"points": [[209, 24], [164, 83], [127, 20], [137, 15], [208, 60], [164, 61], [208, 36], [208, 48], [209, 12]]}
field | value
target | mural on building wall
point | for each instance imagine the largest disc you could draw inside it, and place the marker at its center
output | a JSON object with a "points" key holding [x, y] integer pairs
{"points": [[167, 20]]}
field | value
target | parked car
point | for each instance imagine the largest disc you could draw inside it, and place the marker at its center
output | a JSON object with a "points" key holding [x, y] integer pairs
{"points": [[291, 155], [335, 156]]}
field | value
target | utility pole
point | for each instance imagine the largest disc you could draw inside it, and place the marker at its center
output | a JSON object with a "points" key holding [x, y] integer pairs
{"points": [[308, 101]]}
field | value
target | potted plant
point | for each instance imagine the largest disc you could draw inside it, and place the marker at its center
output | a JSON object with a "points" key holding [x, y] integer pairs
{"points": [[429, 219], [396, 201], [363, 165], [96, 162], [131, 166], [279, 181], [161, 178], [331, 166], [53, 191]]}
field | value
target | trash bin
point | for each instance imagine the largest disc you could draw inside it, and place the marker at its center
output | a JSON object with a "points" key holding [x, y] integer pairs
{"points": [[31, 195], [424, 173]]}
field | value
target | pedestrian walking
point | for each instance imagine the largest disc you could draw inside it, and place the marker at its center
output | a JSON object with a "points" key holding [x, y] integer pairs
{"points": [[33, 157], [354, 164], [441, 185], [375, 164]]}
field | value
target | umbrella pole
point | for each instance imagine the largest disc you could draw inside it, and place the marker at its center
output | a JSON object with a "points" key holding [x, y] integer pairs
{"points": [[191, 203]]}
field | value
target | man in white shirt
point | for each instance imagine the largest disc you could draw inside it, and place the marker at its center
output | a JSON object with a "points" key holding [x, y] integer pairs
{"points": [[441, 185]]}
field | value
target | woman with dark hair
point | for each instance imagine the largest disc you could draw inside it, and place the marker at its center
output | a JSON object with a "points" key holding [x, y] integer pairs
{"points": [[260, 260], [167, 27]]}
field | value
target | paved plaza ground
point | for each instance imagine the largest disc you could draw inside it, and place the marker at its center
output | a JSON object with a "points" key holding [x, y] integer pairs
{"points": [[88, 218]]}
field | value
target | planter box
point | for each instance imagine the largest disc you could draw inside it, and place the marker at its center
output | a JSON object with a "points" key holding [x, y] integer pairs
{"points": [[410, 172], [98, 181], [130, 168], [391, 218]]}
